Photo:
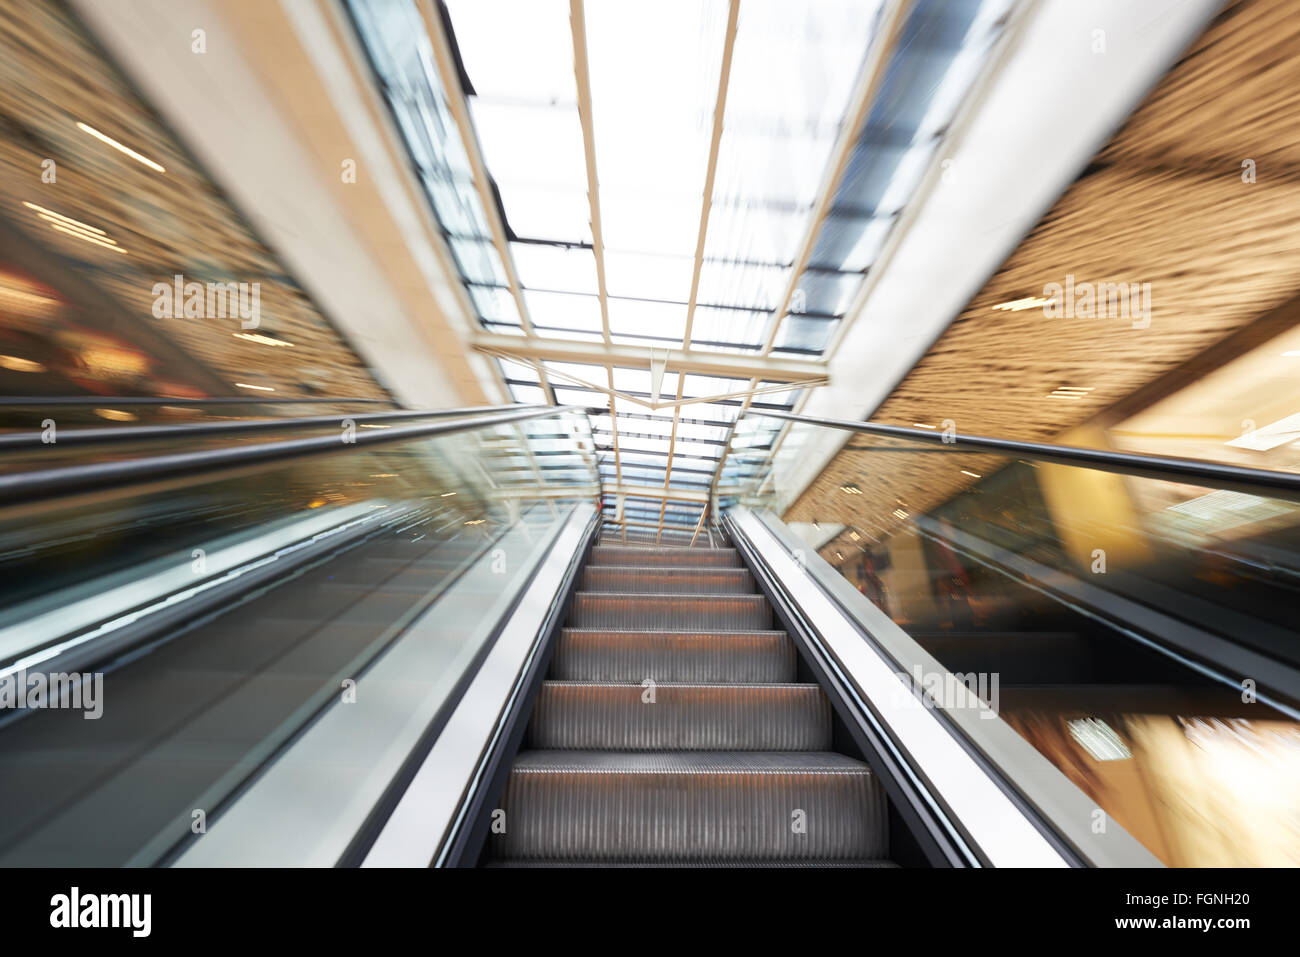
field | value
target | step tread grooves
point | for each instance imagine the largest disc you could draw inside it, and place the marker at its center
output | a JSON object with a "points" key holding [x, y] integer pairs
{"points": [[621, 716]]}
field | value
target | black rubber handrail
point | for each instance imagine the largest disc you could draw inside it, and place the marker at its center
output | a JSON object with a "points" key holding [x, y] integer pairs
{"points": [[43, 484], [1238, 478], [109, 435], [33, 401]]}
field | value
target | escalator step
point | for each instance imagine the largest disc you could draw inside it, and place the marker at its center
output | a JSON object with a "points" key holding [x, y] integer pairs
{"points": [[651, 555], [669, 612], [659, 579], [625, 717], [717, 657], [682, 806]]}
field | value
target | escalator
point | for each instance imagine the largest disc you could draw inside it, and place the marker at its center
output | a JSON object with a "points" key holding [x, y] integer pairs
{"points": [[420, 651], [673, 730]]}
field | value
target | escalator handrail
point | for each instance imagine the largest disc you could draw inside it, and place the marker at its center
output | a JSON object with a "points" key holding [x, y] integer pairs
{"points": [[109, 435], [43, 484], [1266, 482]]}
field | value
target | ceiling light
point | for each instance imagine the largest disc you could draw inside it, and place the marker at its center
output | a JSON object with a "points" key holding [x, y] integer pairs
{"points": [[384, 475], [67, 220], [121, 147], [922, 425], [900, 513], [103, 243], [261, 339], [971, 474], [115, 415], [477, 521], [839, 556], [851, 489], [1098, 739], [256, 388], [1028, 302], [18, 364], [855, 536], [445, 494], [1293, 354]]}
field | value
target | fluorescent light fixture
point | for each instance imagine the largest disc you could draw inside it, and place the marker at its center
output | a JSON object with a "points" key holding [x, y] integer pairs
{"points": [[103, 243], [19, 364], [261, 339], [850, 489], [256, 388], [1270, 436], [66, 220], [971, 474], [922, 425], [900, 513], [120, 147], [115, 415], [1098, 739], [1028, 302]]}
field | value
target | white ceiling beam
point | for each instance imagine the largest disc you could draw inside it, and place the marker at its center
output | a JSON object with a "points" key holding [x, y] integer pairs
{"points": [[580, 491], [582, 76], [710, 173], [690, 361]]}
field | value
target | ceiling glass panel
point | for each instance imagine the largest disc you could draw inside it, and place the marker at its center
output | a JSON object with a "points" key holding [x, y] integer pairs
{"points": [[556, 268]]}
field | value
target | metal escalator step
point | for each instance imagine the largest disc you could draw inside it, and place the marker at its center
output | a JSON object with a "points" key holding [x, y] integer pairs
{"points": [[653, 555], [669, 612], [717, 862], [682, 806], [658, 579], [681, 717], [716, 657]]}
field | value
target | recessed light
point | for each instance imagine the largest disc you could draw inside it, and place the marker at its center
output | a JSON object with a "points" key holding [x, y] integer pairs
{"points": [[261, 339], [922, 425], [1098, 739], [19, 364], [971, 474], [255, 388], [103, 138], [1028, 302]]}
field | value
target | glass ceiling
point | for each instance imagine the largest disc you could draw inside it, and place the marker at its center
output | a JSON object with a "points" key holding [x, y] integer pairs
{"points": [[665, 266]]}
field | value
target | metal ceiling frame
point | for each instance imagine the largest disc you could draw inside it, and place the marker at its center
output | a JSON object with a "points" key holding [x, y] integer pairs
{"points": [[532, 351]]}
